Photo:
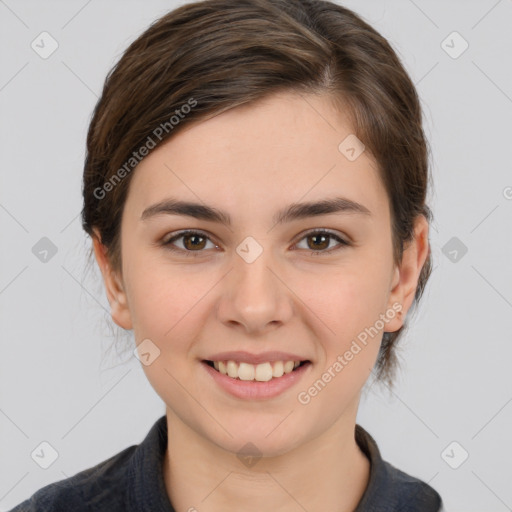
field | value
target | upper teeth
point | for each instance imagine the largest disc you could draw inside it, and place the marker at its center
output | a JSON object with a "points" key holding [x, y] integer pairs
{"points": [[260, 372]]}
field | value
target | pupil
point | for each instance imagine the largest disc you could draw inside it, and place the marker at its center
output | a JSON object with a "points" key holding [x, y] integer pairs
{"points": [[316, 237], [194, 244]]}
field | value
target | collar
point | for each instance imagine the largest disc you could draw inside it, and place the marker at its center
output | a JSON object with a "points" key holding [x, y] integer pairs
{"points": [[388, 489]]}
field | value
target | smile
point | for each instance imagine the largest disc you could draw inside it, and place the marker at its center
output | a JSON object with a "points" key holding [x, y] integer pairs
{"points": [[262, 372]]}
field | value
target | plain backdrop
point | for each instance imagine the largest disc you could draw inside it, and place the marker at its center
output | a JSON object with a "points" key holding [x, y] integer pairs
{"points": [[449, 418]]}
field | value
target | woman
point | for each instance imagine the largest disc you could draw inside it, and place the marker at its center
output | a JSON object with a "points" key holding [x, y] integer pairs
{"points": [[255, 188]]}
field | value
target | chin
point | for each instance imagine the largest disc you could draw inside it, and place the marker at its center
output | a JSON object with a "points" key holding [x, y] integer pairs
{"points": [[265, 438]]}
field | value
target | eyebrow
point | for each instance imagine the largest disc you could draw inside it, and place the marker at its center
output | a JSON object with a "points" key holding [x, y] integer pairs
{"points": [[294, 211]]}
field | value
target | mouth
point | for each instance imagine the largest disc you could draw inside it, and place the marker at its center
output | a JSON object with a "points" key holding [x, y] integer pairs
{"points": [[263, 372]]}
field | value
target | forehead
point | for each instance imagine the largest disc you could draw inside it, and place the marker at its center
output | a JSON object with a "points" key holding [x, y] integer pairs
{"points": [[281, 149]]}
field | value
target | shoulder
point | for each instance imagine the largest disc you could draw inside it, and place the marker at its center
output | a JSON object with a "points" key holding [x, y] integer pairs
{"points": [[390, 489], [129, 480], [100, 487], [410, 493]]}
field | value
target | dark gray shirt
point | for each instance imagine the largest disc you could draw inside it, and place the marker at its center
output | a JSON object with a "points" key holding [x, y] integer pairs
{"points": [[132, 481]]}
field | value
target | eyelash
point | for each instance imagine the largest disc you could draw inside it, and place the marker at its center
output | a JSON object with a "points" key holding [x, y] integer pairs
{"points": [[168, 244]]}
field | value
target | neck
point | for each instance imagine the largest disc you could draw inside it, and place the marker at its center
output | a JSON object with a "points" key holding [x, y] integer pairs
{"points": [[326, 473]]}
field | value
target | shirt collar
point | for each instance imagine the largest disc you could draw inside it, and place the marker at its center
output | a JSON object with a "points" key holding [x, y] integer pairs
{"points": [[146, 491], [390, 489]]}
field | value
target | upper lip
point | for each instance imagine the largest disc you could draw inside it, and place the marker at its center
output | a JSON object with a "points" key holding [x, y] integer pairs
{"points": [[246, 357]]}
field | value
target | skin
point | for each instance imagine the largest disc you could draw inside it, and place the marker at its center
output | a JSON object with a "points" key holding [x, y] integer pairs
{"points": [[250, 162]]}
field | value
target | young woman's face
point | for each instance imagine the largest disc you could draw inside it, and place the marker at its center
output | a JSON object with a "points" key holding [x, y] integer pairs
{"points": [[282, 290]]}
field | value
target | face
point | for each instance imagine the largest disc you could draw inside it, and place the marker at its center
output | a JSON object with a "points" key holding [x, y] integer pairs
{"points": [[300, 287]]}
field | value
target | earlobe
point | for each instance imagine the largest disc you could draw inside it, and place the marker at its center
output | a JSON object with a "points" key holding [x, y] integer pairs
{"points": [[406, 276], [395, 302], [114, 288]]}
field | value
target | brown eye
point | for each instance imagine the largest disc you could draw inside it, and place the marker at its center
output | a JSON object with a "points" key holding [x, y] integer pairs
{"points": [[319, 241], [191, 241]]}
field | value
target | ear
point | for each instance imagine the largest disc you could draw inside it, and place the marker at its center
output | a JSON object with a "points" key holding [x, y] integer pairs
{"points": [[405, 277], [113, 285]]}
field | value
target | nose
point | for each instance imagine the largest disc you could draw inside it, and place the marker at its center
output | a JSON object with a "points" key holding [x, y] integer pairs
{"points": [[254, 296]]}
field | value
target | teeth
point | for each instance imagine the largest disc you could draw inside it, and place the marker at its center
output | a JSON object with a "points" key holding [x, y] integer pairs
{"points": [[288, 366], [278, 369], [261, 372], [232, 370], [245, 371]]}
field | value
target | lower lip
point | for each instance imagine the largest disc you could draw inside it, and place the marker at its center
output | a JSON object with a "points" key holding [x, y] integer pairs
{"points": [[252, 389]]}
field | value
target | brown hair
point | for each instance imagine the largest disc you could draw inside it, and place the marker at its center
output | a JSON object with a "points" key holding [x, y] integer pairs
{"points": [[206, 57]]}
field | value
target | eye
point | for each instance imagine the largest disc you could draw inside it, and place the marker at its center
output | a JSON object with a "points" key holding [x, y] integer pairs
{"points": [[321, 240], [193, 242]]}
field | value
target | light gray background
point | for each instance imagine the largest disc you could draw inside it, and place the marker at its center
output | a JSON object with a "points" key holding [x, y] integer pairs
{"points": [[59, 384]]}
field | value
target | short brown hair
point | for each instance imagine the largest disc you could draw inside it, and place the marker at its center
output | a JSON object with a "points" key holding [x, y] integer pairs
{"points": [[226, 53]]}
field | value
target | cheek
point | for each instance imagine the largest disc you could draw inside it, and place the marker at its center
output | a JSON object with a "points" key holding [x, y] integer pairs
{"points": [[349, 309], [167, 309], [348, 299], [166, 299], [348, 303], [162, 295], [163, 304]]}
